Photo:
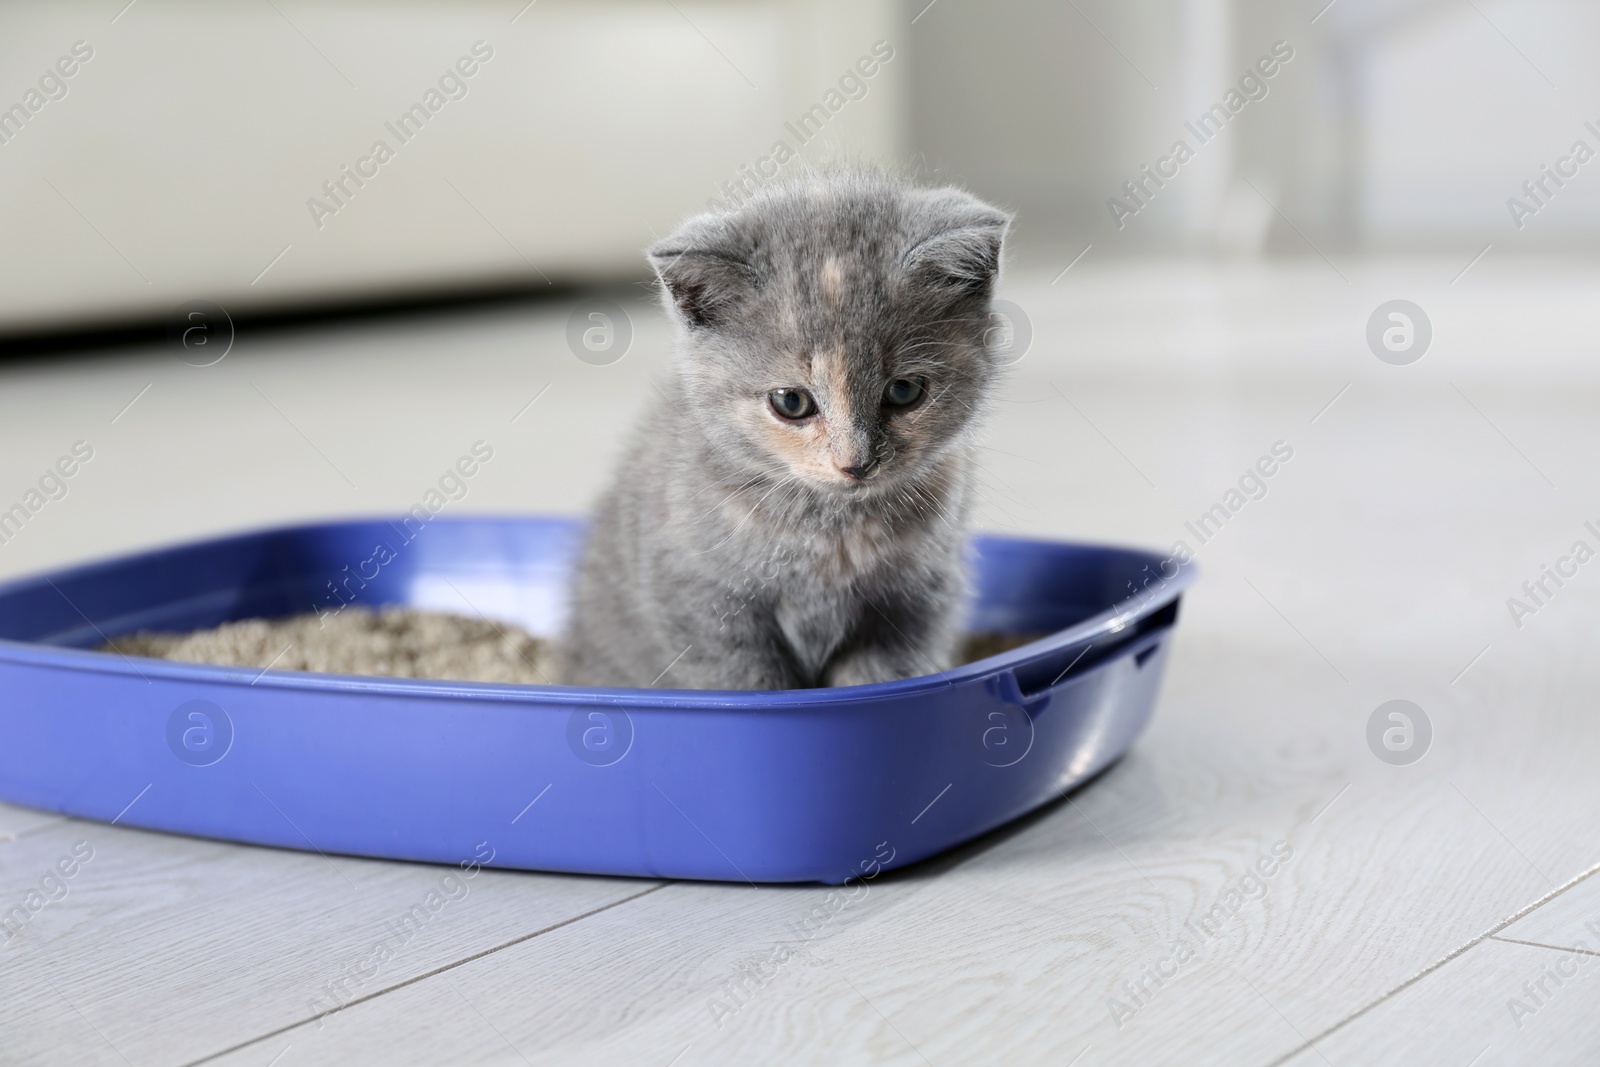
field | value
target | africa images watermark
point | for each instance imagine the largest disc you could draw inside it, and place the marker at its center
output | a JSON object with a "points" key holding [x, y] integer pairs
{"points": [[1399, 732], [852, 86], [52, 86], [52, 487], [1537, 592], [1538, 190], [200, 333], [52, 888], [1399, 332], [598, 332], [398, 932], [452, 487], [1141, 989], [754, 974], [452, 86], [1141, 189], [755, 577], [1537, 993], [1251, 486]]}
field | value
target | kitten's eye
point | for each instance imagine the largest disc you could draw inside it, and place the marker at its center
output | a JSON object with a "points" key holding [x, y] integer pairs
{"points": [[792, 403], [902, 392]]}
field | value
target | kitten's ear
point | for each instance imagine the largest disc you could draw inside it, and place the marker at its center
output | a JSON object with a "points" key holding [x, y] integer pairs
{"points": [[705, 269], [957, 243]]}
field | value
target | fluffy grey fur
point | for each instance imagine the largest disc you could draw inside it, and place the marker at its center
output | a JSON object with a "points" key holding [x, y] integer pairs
{"points": [[739, 549]]}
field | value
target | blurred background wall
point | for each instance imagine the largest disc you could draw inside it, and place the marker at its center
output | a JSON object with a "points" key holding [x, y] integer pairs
{"points": [[185, 155], [1399, 126]]}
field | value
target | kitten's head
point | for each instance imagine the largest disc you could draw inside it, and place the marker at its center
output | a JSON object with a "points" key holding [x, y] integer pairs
{"points": [[832, 330]]}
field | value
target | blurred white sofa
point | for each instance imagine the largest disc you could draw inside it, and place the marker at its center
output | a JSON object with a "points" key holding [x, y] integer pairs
{"points": [[186, 156]]}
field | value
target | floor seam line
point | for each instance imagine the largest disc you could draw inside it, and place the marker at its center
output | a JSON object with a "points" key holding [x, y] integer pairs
{"points": [[1543, 944], [1310, 1043], [429, 974]]}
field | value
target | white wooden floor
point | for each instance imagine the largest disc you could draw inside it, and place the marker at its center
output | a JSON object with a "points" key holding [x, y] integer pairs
{"points": [[1425, 913]]}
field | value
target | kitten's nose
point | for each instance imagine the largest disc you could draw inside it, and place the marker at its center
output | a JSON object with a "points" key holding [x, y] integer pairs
{"points": [[859, 472]]}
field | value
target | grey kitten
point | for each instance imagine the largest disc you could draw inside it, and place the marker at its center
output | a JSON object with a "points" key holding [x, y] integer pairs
{"points": [[793, 509]]}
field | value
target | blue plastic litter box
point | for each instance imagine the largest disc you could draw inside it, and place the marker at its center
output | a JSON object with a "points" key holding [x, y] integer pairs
{"points": [[788, 786]]}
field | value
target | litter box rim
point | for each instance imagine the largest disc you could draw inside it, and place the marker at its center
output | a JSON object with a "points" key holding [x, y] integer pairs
{"points": [[1112, 620]]}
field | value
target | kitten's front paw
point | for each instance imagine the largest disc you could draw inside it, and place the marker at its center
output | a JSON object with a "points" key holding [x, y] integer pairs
{"points": [[870, 667]]}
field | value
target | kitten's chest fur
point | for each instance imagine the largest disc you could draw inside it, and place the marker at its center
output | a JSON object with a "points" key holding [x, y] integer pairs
{"points": [[817, 603], [840, 568]]}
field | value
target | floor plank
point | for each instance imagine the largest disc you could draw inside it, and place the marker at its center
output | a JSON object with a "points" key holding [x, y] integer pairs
{"points": [[1499, 1003], [171, 949]]}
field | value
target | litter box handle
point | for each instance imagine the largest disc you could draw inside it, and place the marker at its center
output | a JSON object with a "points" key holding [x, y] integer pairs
{"points": [[1039, 676]]}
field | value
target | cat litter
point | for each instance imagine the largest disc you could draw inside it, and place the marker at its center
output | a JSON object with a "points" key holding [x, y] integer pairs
{"points": [[400, 643]]}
